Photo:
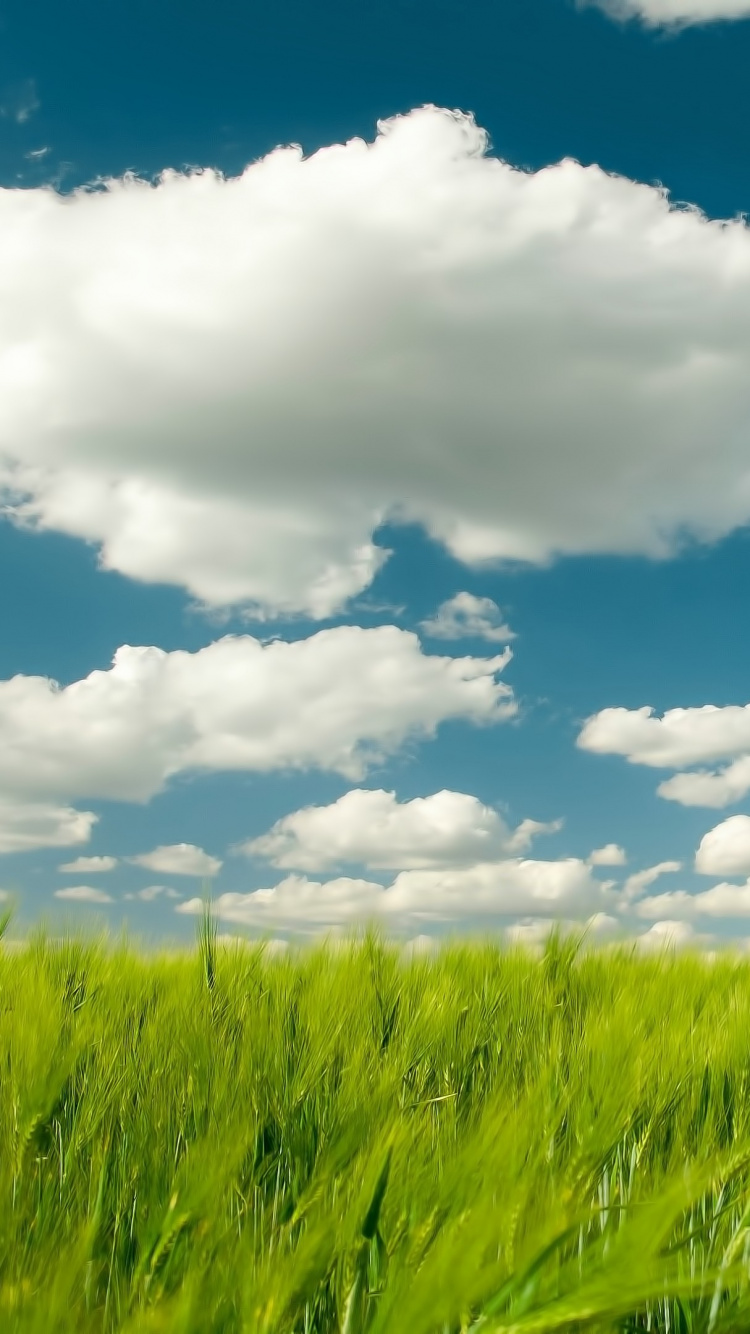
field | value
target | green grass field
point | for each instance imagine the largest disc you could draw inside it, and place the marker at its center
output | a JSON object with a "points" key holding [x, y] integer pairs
{"points": [[345, 1140]]}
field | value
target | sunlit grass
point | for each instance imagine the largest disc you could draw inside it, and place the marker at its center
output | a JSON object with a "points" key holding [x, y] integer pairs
{"points": [[348, 1140]]}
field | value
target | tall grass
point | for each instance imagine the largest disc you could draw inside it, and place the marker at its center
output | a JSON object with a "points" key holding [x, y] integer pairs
{"points": [[343, 1141]]}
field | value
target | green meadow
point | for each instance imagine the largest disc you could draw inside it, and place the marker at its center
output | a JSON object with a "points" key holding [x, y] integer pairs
{"points": [[348, 1139]]}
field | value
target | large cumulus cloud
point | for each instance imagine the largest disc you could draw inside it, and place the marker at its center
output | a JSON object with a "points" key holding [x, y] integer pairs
{"points": [[228, 384]]}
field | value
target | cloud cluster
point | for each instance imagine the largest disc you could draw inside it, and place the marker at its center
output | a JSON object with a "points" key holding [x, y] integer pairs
{"points": [[228, 384], [674, 13], [373, 829], [342, 700], [682, 737], [486, 891]]}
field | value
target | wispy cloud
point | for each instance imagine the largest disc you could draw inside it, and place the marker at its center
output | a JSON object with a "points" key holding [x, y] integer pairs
{"points": [[19, 100]]}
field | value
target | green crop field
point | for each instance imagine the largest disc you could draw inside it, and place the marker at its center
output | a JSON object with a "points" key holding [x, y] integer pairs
{"points": [[348, 1139]]}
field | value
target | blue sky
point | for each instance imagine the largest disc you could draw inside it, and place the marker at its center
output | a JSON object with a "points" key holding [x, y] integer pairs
{"points": [[227, 395]]}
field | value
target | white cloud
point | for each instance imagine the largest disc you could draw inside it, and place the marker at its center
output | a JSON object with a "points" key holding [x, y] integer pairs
{"points": [[635, 884], [533, 933], [152, 892], [610, 855], [179, 859], [674, 13], [510, 888], [465, 616], [84, 894], [341, 700], [725, 849], [722, 900], [709, 789], [227, 384], [725, 900], [297, 903], [603, 926], [522, 837], [26, 824], [530, 933], [373, 829], [421, 946], [87, 865], [488, 891], [670, 934], [680, 738]]}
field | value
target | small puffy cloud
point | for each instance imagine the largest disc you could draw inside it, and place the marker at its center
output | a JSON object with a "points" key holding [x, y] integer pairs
{"points": [[342, 700], [610, 855], [679, 739], [674, 13], [373, 829], [179, 859], [89, 865], [153, 892], [26, 824], [725, 849], [229, 384], [635, 884], [490, 892], [83, 894], [466, 616]]}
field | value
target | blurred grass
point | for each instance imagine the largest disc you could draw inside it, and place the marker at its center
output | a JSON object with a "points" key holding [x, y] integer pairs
{"points": [[344, 1140]]}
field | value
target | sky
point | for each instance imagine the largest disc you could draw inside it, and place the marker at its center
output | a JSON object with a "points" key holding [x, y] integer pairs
{"points": [[375, 468]]}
